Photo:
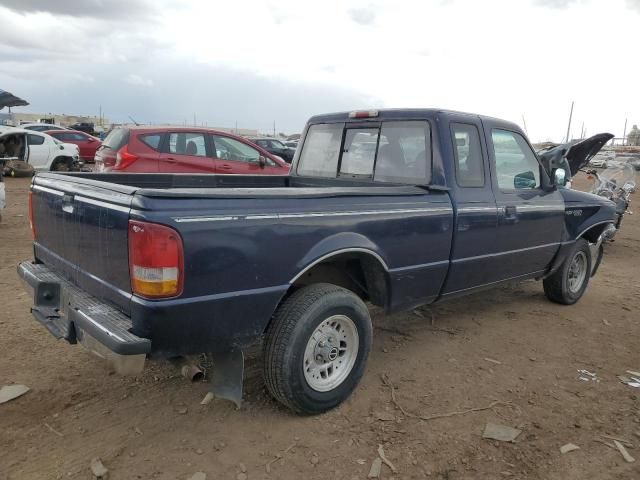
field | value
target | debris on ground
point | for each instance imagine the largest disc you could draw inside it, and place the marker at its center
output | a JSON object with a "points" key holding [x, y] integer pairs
{"points": [[198, 476], [502, 433], [631, 381], [376, 468], [385, 460], [569, 447], [99, 470], [491, 360], [11, 392], [207, 399], [279, 456], [587, 376], [60, 434], [623, 451], [385, 416]]}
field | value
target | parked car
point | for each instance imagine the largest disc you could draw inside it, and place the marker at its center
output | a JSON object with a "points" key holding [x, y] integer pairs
{"points": [[85, 127], [41, 127], [449, 204], [41, 151], [291, 144], [87, 144], [183, 150], [276, 147]]}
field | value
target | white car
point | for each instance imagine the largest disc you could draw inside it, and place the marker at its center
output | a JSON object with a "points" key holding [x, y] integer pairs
{"points": [[41, 151], [41, 127]]}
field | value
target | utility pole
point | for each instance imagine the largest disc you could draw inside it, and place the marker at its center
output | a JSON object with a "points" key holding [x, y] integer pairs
{"points": [[274, 128], [624, 133], [569, 126], [582, 131], [524, 123]]}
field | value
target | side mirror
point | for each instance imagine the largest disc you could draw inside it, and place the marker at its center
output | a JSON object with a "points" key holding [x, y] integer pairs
{"points": [[262, 161], [560, 177], [524, 180]]}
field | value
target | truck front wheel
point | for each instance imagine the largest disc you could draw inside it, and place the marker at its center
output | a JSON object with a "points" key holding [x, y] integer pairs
{"points": [[316, 348], [568, 283]]}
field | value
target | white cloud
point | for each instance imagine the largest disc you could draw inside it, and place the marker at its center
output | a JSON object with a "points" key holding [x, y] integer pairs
{"points": [[496, 57], [138, 81]]}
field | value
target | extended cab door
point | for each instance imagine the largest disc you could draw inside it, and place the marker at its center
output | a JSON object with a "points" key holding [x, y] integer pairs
{"points": [[530, 217], [472, 259]]}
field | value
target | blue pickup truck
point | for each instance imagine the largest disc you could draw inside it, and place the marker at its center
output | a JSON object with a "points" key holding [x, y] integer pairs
{"points": [[398, 208]]}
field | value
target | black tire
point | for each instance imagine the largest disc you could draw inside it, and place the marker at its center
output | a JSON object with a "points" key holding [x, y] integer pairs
{"points": [[289, 334], [61, 165], [558, 286]]}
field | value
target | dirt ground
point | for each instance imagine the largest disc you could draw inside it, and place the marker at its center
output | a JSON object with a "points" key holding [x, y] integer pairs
{"points": [[510, 346]]}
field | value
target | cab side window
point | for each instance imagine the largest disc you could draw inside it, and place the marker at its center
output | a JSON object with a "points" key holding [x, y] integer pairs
{"points": [[469, 164], [516, 165]]}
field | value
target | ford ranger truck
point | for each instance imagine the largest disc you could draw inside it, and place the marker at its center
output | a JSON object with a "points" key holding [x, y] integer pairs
{"points": [[397, 208]]}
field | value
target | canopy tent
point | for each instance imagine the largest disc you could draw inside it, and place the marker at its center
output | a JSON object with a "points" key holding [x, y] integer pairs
{"points": [[8, 99]]}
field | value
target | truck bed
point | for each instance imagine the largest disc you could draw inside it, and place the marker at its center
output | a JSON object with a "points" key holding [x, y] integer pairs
{"points": [[273, 227]]}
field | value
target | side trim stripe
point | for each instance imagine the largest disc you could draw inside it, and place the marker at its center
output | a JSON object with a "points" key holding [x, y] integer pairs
{"points": [[283, 216]]}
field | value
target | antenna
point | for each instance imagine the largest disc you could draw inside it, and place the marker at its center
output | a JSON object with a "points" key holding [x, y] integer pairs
{"points": [[133, 120], [569, 126]]}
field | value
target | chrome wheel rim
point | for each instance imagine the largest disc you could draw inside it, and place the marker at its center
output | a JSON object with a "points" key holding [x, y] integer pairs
{"points": [[577, 272], [331, 353]]}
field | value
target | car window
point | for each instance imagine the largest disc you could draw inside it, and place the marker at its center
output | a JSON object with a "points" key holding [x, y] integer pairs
{"points": [[187, 143], [35, 139], [66, 137], [516, 164], [404, 152], [321, 150], [116, 139], [152, 140], [469, 164], [276, 144], [231, 149], [359, 152]]}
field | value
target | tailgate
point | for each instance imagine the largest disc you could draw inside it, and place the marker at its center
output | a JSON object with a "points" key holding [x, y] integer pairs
{"points": [[81, 232]]}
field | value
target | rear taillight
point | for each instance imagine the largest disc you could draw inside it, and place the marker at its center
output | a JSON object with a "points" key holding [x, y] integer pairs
{"points": [[156, 263], [32, 225], [124, 158]]}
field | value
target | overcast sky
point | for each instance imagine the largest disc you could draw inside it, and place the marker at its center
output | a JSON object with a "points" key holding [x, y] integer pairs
{"points": [[255, 62]]}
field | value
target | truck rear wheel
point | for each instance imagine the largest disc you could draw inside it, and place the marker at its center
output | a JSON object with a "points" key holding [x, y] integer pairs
{"points": [[570, 281], [316, 348]]}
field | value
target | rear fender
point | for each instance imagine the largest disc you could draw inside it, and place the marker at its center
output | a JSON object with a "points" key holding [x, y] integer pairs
{"points": [[335, 245]]}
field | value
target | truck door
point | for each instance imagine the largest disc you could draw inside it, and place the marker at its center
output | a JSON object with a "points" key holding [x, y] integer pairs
{"points": [[476, 213], [530, 218]]}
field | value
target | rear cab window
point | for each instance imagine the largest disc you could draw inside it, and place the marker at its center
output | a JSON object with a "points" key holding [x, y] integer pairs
{"points": [[393, 151]]}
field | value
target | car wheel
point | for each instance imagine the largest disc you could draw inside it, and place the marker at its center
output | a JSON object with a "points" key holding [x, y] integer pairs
{"points": [[570, 281], [316, 348], [61, 165]]}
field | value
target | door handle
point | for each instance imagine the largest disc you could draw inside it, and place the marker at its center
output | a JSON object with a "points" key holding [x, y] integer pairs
{"points": [[171, 160], [226, 166]]}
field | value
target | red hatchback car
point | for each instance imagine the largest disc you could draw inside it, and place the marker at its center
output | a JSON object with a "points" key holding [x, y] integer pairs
{"points": [[184, 150], [86, 143]]}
